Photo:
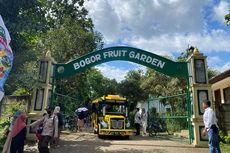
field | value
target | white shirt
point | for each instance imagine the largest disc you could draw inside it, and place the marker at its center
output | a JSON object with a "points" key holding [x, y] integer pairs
{"points": [[209, 118], [137, 118], [144, 118], [50, 125]]}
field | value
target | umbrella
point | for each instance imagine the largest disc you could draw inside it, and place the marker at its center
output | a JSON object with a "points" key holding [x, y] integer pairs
{"points": [[81, 109]]}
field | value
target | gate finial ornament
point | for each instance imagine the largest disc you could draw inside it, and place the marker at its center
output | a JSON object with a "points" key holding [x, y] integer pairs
{"points": [[196, 51], [48, 53]]}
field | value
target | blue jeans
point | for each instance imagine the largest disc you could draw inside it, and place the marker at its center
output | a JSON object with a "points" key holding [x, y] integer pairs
{"points": [[214, 146]]}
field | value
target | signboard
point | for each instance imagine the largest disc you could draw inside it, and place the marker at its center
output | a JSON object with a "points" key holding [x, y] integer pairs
{"points": [[135, 55]]}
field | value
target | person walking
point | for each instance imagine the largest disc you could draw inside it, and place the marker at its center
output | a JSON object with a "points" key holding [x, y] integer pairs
{"points": [[17, 134], [81, 121], [50, 129], [60, 124], [144, 120], [211, 128], [137, 121]]}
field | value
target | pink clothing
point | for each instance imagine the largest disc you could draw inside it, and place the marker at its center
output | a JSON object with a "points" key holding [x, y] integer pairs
{"points": [[18, 125], [80, 123]]}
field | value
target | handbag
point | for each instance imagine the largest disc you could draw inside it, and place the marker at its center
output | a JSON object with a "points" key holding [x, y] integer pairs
{"points": [[39, 131]]}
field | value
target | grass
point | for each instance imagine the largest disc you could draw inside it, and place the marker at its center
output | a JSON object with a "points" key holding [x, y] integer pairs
{"points": [[225, 148]]}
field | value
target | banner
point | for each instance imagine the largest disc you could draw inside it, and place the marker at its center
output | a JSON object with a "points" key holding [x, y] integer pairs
{"points": [[6, 56]]}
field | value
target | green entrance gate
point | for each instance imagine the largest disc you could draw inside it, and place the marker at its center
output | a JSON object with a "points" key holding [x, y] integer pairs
{"points": [[168, 117], [158, 63]]}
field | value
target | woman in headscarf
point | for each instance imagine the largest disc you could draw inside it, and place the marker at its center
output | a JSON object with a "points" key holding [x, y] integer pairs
{"points": [[144, 120], [17, 134], [57, 113]]}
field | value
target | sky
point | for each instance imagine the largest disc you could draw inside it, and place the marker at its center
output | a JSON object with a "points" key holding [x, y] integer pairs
{"points": [[163, 27]]}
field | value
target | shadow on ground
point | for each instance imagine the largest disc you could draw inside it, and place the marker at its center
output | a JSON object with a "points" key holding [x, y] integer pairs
{"points": [[84, 146]]}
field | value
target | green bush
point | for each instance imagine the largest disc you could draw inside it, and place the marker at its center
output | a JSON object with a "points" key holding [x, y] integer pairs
{"points": [[224, 137], [227, 139], [131, 118], [9, 110]]}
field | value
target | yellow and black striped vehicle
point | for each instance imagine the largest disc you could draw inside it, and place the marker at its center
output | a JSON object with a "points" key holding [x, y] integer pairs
{"points": [[110, 116]]}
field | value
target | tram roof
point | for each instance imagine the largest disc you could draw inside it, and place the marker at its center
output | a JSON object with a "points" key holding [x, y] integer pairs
{"points": [[109, 98]]}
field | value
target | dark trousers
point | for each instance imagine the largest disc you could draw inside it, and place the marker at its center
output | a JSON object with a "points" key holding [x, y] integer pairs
{"points": [[43, 144], [214, 146], [17, 143], [137, 128], [16, 147]]}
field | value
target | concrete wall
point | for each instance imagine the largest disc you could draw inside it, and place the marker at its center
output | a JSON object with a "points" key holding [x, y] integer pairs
{"points": [[221, 85], [223, 111]]}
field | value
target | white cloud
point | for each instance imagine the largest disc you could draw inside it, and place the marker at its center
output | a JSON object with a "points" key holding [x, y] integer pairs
{"points": [[160, 26], [112, 72], [116, 19], [221, 10], [118, 73], [165, 44]]}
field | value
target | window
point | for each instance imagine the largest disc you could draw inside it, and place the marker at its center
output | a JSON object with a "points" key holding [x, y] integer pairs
{"points": [[43, 70], [49, 97], [201, 95], [200, 73], [51, 74], [39, 100], [227, 95]]}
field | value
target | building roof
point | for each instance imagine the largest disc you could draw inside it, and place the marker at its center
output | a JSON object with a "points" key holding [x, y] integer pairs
{"points": [[220, 77]]}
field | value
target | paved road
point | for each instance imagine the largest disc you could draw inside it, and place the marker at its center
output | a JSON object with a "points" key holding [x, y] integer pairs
{"points": [[89, 143]]}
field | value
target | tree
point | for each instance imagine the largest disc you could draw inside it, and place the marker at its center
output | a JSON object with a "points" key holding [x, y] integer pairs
{"points": [[227, 18], [131, 87], [25, 21], [31, 22], [71, 41], [212, 72], [159, 85]]}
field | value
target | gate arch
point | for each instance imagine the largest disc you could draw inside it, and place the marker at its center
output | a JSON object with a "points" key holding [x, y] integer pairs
{"points": [[139, 56], [156, 62]]}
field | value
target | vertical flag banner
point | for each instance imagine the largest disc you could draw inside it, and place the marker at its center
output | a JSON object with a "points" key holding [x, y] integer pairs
{"points": [[6, 56]]}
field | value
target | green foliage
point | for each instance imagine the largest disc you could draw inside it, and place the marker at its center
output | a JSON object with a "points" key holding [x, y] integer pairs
{"points": [[38, 25], [224, 137], [20, 91], [131, 87], [82, 89], [212, 72], [71, 41], [227, 139], [227, 18], [160, 85], [9, 110], [131, 118], [225, 148]]}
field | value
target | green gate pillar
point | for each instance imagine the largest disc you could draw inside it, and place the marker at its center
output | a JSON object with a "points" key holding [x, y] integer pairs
{"points": [[200, 90], [41, 96]]}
